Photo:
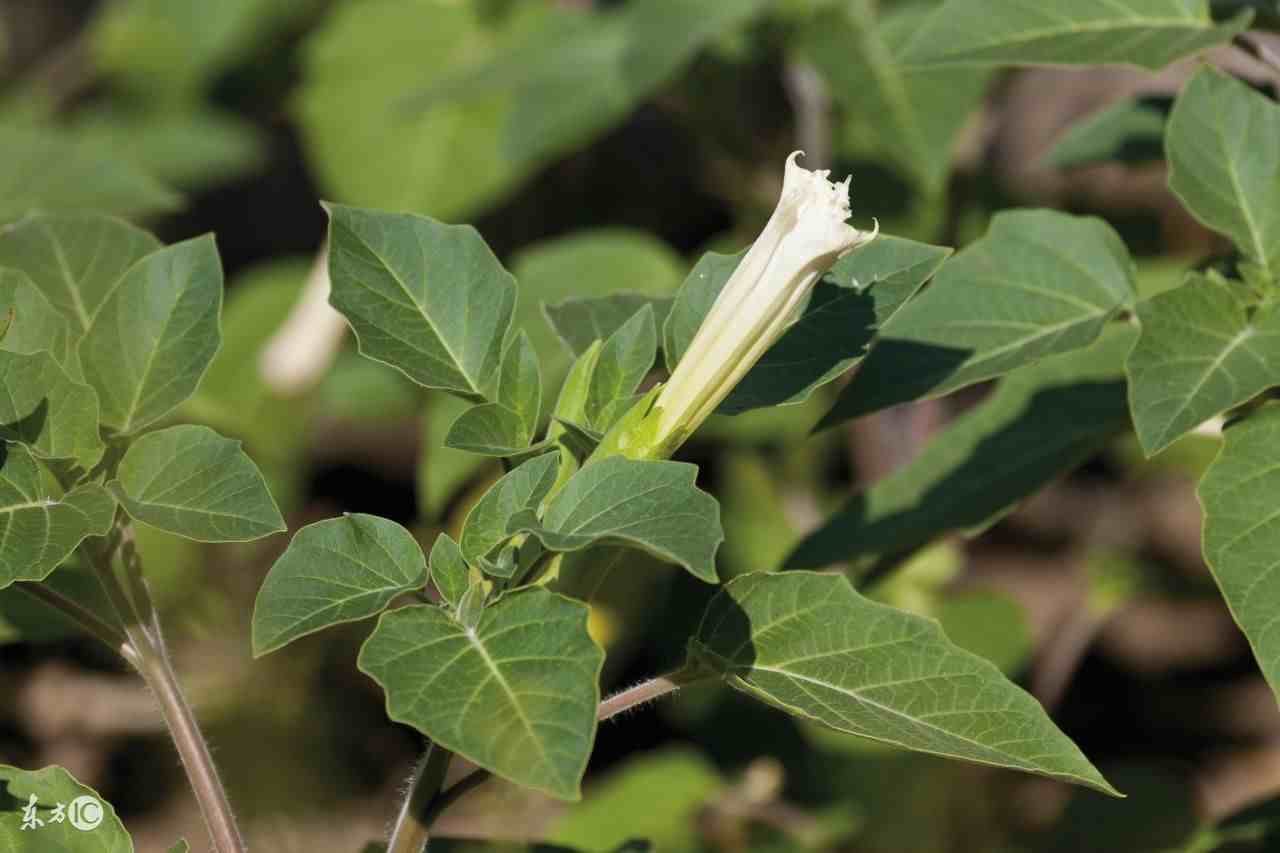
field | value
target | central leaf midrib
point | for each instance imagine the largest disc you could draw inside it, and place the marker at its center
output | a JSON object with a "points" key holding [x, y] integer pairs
{"points": [[422, 312], [1214, 366], [476, 644], [180, 294], [12, 508], [68, 278], [857, 696]]}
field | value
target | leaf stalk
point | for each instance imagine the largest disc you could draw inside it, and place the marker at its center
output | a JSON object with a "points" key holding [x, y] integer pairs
{"points": [[145, 650], [412, 830]]}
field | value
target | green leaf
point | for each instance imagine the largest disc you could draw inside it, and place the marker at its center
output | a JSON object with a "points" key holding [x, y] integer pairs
{"points": [[76, 260], [507, 427], [693, 302], [657, 796], [524, 488], [517, 694], [1039, 283], [592, 268], [32, 323], [1242, 531], [449, 570], [181, 846], [654, 506], [233, 396], [51, 787], [852, 301], [507, 562], [28, 619], [363, 144], [42, 407], [155, 334], [1147, 33], [809, 644], [581, 322], [575, 76], [1200, 353], [613, 412], [490, 429], [891, 269], [47, 170], [1225, 166], [860, 294], [391, 115], [335, 571], [193, 482], [520, 383], [571, 405], [38, 529], [578, 440], [1129, 131], [910, 117], [427, 298], [624, 360], [471, 606], [173, 50], [1039, 423], [192, 147]]}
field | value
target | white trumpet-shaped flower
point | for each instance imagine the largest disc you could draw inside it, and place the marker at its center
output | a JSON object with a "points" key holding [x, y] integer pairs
{"points": [[806, 234]]}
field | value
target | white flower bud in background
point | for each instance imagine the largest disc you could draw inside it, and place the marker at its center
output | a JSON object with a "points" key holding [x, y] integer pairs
{"points": [[297, 356], [806, 234]]}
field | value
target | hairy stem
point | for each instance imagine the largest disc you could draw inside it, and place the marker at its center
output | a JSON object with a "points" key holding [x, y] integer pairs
{"points": [[132, 602], [194, 751], [412, 830], [642, 694]]}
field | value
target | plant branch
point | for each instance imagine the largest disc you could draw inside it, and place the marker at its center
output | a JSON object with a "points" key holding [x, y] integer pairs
{"points": [[453, 793], [426, 801], [111, 635], [132, 602], [642, 694], [412, 829], [194, 751], [811, 103], [1259, 51]]}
